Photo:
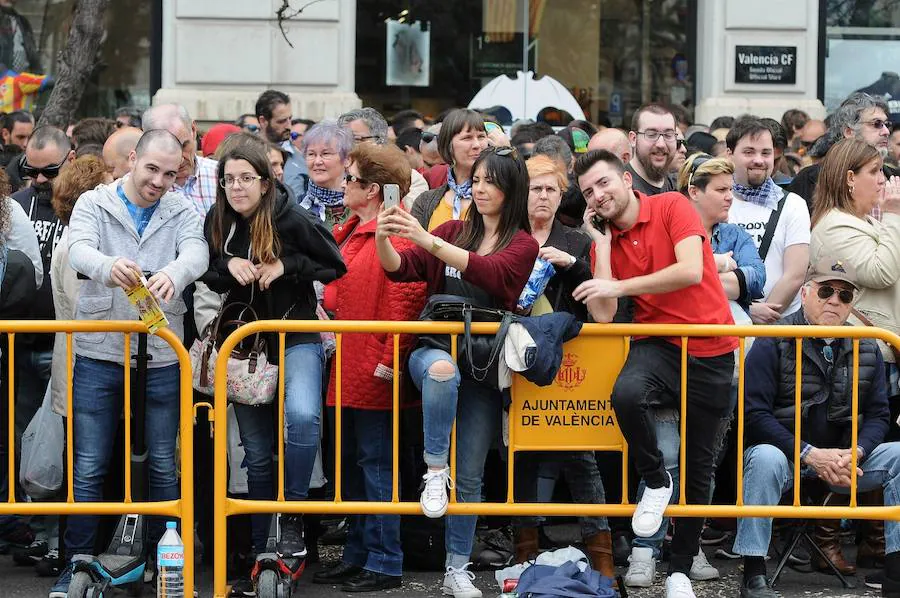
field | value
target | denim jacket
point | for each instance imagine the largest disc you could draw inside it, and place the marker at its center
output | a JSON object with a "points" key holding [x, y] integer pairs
{"points": [[751, 271]]}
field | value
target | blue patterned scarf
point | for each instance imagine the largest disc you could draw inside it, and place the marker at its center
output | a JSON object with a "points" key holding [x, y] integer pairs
{"points": [[461, 192], [767, 195], [317, 199]]}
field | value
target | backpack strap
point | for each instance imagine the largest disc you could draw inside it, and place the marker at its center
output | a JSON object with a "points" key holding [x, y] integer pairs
{"points": [[771, 225]]}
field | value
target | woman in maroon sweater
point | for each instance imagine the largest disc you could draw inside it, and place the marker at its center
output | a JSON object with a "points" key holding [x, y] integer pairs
{"points": [[488, 258]]}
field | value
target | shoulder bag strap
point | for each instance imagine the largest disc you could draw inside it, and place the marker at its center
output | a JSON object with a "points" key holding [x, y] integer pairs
{"points": [[479, 373], [771, 225]]}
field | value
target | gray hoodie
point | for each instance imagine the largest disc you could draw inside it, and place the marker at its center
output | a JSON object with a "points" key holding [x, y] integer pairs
{"points": [[102, 231]]}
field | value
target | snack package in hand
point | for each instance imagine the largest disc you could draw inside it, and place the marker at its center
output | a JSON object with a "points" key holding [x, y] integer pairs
{"points": [[148, 307], [541, 274]]}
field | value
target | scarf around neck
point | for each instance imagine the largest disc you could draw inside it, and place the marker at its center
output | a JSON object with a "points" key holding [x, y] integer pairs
{"points": [[460, 192], [317, 199], [767, 195]]}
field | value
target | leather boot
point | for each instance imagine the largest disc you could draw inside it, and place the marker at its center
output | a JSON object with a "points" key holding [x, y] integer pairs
{"points": [[871, 549], [599, 550], [527, 547], [828, 537]]}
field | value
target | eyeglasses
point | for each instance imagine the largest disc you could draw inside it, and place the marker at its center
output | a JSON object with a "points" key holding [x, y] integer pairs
{"points": [[428, 137], [653, 135], [251, 128], [31, 172], [362, 138], [537, 190], [877, 124], [326, 155], [696, 164], [350, 178], [243, 181], [824, 292]]}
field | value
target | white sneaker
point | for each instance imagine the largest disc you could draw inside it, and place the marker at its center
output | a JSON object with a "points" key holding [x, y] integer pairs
{"points": [[679, 586], [648, 515], [458, 583], [434, 495], [641, 568], [701, 570]]}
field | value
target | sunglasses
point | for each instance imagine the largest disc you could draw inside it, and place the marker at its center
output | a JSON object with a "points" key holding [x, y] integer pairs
{"points": [[32, 172], [252, 128], [877, 124], [845, 296], [349, 178], [428, 137], [295, 135], [505, 152]]}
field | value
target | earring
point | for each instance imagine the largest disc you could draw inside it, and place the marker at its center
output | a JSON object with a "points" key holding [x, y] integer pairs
{"points": [[850, 186]]}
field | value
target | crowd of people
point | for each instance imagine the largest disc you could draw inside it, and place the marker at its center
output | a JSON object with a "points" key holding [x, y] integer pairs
{"points": [[746, 220]]}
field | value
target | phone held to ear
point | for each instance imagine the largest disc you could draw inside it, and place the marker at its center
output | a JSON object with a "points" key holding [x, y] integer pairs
{"points": [[391, 195], [598, 223]]}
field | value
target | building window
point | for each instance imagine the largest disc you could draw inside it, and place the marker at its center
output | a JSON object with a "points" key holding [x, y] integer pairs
{"points": [[862, 50], [612, 55], [122, 76]]}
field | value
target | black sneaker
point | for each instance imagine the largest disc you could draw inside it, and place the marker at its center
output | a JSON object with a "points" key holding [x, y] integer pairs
{"points": [[875, 580], [242, 587], [50, 565], [726, 549], [291, 543], [28, 556]]}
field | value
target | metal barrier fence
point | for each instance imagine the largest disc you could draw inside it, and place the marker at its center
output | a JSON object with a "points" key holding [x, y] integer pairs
{"points": [[182, 508], [580, 393]]}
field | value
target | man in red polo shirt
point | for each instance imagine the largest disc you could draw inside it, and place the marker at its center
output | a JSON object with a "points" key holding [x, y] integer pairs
{"points": [[653, 248]]}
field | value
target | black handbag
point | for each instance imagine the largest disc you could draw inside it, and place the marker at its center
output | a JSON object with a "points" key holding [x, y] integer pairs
{"points": [[478, 356]]}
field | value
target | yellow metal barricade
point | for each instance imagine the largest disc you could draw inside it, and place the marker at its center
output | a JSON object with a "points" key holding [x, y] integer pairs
{"points": [[574, 413], [182, 508]]}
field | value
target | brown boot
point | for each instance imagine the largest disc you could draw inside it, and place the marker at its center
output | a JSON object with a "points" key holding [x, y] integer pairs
{"points": [[527, 547], [599, 549], [828, 537], [871, 549]]}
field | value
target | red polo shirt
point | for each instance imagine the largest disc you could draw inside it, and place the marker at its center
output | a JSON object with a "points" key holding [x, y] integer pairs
{"points": [[649, 246]]}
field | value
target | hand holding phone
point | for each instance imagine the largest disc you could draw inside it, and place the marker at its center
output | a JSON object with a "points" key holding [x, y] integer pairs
{"points": [[391, 195]]}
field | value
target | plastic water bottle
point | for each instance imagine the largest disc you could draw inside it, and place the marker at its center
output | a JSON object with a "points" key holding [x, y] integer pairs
{"points": [[170, 564]]}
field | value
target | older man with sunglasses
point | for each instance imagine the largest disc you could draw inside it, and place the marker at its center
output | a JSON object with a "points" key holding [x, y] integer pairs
{"points": [[825, 428]]}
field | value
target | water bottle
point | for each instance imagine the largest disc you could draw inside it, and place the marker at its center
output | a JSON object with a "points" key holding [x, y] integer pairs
{"points": [[170, 564]]}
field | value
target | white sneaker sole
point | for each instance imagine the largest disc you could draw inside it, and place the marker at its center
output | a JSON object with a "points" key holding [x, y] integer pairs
{"points": [[433, 514], [703, 576], [631, 583], [475, 593]]}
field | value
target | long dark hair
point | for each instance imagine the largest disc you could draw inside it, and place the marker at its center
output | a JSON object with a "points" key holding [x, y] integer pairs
{"points": [[264, 243], [832, 191], [506, 170]]}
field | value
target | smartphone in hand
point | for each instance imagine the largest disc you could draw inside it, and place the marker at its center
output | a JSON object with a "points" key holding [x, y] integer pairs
{"points": [[598, 223], [391, 195]]}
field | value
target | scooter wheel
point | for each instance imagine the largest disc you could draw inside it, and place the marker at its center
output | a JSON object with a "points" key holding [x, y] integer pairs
{"points": [[79, 585], [267, 584]]}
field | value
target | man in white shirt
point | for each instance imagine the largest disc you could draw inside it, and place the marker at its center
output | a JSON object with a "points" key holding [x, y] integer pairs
{"points": [[756, 198]]}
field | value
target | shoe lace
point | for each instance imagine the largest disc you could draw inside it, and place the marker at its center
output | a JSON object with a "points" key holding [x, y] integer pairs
{"points": [[53, 553], [290, 528], [434, 487], [639, 567], [462, 577]]}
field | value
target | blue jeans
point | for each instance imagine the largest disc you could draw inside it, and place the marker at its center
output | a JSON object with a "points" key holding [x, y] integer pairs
{"points": [[476, 409], [97, 397], [668, 438], [373, 541], [768, 474], [303, 368]]}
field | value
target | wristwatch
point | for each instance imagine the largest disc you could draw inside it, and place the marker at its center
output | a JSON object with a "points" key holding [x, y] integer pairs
{"points": [[572, 260], [436, 244]]}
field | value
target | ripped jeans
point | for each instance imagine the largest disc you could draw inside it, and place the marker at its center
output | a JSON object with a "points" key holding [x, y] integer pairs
{"points": [[476, 409]]}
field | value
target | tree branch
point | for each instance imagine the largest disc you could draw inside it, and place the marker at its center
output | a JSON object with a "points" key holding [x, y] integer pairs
{"points": [[284, 14]]}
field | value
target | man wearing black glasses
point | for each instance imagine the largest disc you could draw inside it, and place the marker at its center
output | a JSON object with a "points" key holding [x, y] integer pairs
{"points": [[825, 427], [653, 140], [860, 116], [47, 153]]}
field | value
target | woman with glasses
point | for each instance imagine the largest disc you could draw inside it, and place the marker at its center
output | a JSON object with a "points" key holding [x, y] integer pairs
{"points": [[851, 183], [266, 251], [460, 141], [569, 250], [486, 258], [373, 557], [325, 148]]}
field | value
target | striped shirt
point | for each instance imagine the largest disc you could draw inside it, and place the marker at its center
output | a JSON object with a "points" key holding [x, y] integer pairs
{"points": [[200, 187]]}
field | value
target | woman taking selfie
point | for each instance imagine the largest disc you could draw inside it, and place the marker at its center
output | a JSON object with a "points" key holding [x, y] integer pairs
{"points": [[266, 251], [486, 258]]}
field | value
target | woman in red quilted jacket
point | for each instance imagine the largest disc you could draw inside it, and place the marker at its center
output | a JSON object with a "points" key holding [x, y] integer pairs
{"points": [[373, 559]]}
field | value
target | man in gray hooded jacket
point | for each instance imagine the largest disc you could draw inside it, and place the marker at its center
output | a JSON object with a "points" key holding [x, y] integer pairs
{"points": [[116, 232]]}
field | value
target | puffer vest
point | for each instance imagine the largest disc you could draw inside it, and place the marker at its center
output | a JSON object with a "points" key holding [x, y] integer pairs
{"points": [[825, 383]]}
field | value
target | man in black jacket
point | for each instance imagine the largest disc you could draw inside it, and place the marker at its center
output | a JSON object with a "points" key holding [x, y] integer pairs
{"points": [[826, 407]]}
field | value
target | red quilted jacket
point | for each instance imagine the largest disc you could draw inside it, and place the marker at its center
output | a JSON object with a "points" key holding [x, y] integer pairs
{"points": [[365, 293]]}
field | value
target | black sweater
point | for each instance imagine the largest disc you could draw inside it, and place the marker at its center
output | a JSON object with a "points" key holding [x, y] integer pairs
{"points": [[308, 252]]}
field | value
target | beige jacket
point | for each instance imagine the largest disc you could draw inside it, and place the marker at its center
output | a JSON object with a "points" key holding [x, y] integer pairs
{"points": [[65, 293], [873, 249]]}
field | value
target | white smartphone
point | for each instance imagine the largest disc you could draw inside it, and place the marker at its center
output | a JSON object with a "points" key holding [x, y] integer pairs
{"points": [[391, 195]]}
